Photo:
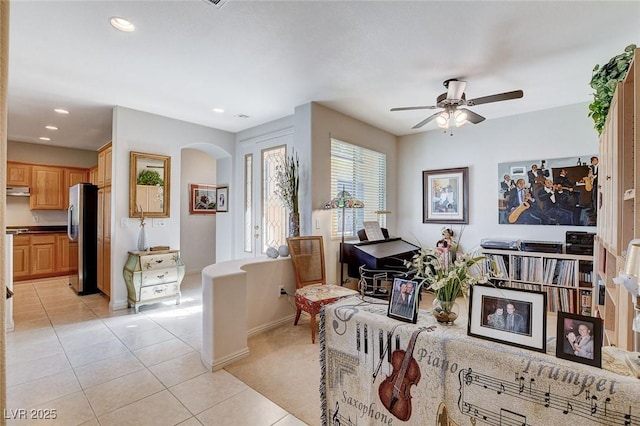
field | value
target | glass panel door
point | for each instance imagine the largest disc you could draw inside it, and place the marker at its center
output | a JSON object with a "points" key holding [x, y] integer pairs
{"points": [[264, 217]]}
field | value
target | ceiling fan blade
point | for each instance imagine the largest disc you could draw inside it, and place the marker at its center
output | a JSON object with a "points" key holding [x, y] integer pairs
{"points": [[412, 108], [426, 120], [472, 116], [496, 98], [455, 89]]}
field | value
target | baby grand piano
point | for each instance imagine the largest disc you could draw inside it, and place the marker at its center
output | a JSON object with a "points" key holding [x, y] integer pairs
{"points": [[388, 254]]}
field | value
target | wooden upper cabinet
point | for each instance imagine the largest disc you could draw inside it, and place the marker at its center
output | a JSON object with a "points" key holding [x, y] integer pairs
{"points": [[104, 166], [47, 183], [18, 174], [93, 175], [72, 177]]}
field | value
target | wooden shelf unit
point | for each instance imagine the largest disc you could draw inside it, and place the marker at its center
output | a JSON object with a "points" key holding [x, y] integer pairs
{"points": [[566, 278], [618, 207]]}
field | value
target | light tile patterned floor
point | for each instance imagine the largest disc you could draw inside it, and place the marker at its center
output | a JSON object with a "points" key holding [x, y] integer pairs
{"points": [[100, 367]]}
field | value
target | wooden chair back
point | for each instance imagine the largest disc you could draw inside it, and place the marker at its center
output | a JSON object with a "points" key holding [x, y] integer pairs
{"points": [[307, 256]]}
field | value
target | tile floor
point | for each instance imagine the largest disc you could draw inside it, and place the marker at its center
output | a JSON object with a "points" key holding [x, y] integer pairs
{"points": [[100, 367]]}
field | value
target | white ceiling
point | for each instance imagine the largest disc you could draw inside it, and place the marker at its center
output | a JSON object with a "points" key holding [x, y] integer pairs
{"points": [[264, 58]]}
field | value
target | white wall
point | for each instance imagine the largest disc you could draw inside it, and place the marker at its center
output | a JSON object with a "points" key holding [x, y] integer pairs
{"points": [[554, 133], [197, 231], [143, 132]]}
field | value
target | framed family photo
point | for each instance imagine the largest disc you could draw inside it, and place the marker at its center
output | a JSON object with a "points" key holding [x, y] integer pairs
{"points": [[509, 316], [579, 338], [222, 197], [403, 305], [202, 199], [445, 195]]}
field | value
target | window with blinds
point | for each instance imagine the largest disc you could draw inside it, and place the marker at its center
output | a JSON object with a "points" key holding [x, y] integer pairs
{"points": [[362, 173]]}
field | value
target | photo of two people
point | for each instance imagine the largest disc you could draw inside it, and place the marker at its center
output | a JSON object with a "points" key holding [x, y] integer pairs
{"points": [[403, 301]]}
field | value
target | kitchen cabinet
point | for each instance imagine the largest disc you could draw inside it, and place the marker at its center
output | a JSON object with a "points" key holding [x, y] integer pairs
{"points": [[93, 175], [21, 256], [104, 240], [43, 254], [65, 250], [47, 183], [103, 180], [18, 174], [152, 277], [50, 185], [104, 165], [73, 176]]}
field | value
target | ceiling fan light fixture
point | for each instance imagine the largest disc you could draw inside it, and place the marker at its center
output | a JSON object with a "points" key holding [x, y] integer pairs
{"points": [[460, 117], [442, 120]]}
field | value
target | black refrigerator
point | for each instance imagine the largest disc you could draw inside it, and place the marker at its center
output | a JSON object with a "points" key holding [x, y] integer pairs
{"points": [[82, 229]]}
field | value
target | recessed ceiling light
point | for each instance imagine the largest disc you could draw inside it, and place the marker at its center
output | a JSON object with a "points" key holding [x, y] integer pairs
{"points": [[61, 111], [121, 24], [218, 110], [42, 138], [51, 127]]}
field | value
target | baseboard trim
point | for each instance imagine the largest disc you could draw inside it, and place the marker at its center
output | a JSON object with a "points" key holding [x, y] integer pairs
{"points": [[221, 363], [270, 326]]}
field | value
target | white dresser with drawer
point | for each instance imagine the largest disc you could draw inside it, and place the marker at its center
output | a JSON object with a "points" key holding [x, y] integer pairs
{"points": [[153, 276]]}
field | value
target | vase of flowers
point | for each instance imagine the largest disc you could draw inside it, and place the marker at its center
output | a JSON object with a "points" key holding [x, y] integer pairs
{"points": [[287, 186], [445, 312], [447, 278]]}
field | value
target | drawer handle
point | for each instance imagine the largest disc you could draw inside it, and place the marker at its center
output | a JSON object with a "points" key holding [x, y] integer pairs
{"points": [[158, 290], [160, 276], [159, 260]]}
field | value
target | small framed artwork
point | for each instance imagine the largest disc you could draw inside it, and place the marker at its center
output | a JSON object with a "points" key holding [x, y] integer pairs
{"points": [[203, 199], [517, 170], [222, 197], [509, 316], [445, 196], [579, 338], [403, 305]]}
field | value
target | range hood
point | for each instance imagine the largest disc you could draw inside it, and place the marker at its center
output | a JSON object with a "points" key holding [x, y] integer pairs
{"points": [[18, 191]]}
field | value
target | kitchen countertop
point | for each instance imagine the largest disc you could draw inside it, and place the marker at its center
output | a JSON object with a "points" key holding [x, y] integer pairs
{"points": [[36, 229]]}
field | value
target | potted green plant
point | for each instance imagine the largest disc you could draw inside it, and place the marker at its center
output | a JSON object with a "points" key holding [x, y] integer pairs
{"points": [[287, 186], [150, 177], [604, 81]]}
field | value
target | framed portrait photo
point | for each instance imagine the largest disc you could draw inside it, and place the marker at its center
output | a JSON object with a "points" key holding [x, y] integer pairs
{"points": [[202, 199], [403, 305], [579, 338], [509, 316], [445, 196], [222, 197]]}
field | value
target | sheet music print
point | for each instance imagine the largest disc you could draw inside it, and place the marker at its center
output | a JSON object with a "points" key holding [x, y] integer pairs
{"points": [[338, 419], [591, 407]]}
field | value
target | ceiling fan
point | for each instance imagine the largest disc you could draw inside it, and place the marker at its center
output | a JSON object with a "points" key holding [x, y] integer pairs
{"points": [[453, 100]]}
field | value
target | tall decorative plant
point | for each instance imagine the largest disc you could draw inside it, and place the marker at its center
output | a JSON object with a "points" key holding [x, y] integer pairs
{"points": [[604, 81], [287, 186]]}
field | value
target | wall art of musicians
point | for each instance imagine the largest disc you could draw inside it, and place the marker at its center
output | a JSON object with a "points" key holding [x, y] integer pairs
{"points": [[561, 191]]}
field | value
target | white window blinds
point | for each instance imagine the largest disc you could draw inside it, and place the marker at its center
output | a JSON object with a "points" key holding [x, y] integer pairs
{"points": [[363, 173]]}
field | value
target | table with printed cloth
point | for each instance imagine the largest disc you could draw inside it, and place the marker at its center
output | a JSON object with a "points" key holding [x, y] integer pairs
{"points": [[379, 371]]}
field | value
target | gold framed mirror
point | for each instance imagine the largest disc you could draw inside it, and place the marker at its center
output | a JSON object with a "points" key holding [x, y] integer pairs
{"points": [[149, 184]]}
